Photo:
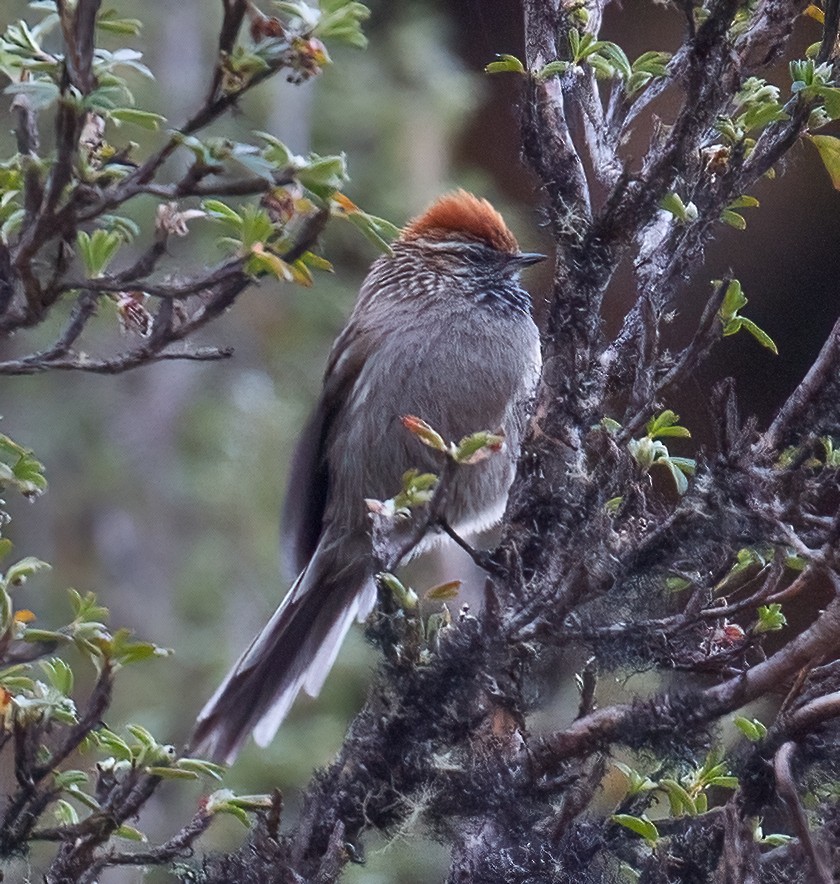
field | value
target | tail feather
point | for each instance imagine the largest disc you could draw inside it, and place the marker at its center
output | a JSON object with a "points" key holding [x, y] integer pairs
{"points": [[294, 651]]}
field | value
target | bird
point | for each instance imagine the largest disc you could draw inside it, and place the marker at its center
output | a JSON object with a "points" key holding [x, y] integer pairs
{"points": [[441, 329]]}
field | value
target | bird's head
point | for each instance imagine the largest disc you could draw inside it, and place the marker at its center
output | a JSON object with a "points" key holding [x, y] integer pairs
{"points": [[466, 234]]}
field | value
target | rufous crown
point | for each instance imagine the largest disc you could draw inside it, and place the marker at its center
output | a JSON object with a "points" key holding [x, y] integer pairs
{"points": [[462, 213]]}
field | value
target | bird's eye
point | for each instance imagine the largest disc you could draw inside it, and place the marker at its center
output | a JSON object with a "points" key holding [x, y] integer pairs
{"points": [[474, 255]]}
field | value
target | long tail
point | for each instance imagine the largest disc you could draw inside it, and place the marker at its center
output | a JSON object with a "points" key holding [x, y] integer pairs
{"points": [[295, 650]]}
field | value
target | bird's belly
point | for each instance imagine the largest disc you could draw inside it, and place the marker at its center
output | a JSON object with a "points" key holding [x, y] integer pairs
{"points": [[482, 389]]}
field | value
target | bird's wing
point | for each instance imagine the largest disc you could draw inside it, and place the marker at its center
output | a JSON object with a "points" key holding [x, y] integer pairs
{"points": [[309, 479]]}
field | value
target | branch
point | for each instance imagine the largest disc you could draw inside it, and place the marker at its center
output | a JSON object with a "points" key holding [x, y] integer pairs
{"points": [[180, 845], [831, 31], [786, 787], [223, 285], [709, 332], [219, 275], [663, 713], [813, 713], [24, 808], [770, 28], [78, 23], [822, 372]]}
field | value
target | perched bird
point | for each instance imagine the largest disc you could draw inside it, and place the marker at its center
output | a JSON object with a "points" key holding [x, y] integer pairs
{"points": [[442, 330]]}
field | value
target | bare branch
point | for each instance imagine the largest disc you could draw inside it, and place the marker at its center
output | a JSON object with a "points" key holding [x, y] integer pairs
{"points": [[825, 367], [605, 725], [786, 787]]}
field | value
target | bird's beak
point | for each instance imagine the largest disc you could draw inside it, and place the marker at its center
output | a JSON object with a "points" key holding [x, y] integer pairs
{"points": [[526, 259]]}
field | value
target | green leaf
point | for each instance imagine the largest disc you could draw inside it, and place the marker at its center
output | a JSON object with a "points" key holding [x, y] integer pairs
{"points": [[113, 743], [677, 432], [443, 592], [324, 175], [342, 20], [141, 118], [40, 93], [124, 649], [770, 619], [795, 562], [379, 231], [107, 21], [171, 773], [60, 675], [142, 735], [316, 261], [612, 505], [202, 767], [733, 219], [65, 813], [224, 801], [130, 833], [759, 334], [684, 212], [679, 799], [662, 421], [66, 778], [832, 457], [424, 432], [126, 228], [125, 57], [551, 69], [636, 782], [277, 153], [21, 571], [665, 424], [677, 474], [733, 299], [831, 100], [746, 559], [417, 489], [263, 261], [574, 43], [724, 782], [405, 595], [653, 63], [251, 802], [732, 327], [98, 249], [614, 54], [222, 212], [85, 607], [645, 451], [744, 202], [677, 583], [603, 69], [505, 63], [44, 635], [478, 447], [641, 825], [828, 148], [776, 840]]}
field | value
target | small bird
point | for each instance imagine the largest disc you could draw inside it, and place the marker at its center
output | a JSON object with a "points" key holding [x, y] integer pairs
{"points": [[443, 330]]}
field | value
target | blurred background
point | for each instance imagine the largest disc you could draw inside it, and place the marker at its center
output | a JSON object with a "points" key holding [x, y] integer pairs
{"points": [[166, 482]]}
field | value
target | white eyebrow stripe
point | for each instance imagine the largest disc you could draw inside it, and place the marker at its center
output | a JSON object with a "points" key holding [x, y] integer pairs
{"points": [[449, 244]]}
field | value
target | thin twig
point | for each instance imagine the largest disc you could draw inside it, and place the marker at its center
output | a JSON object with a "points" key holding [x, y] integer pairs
{"points": [[786, 787]]}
